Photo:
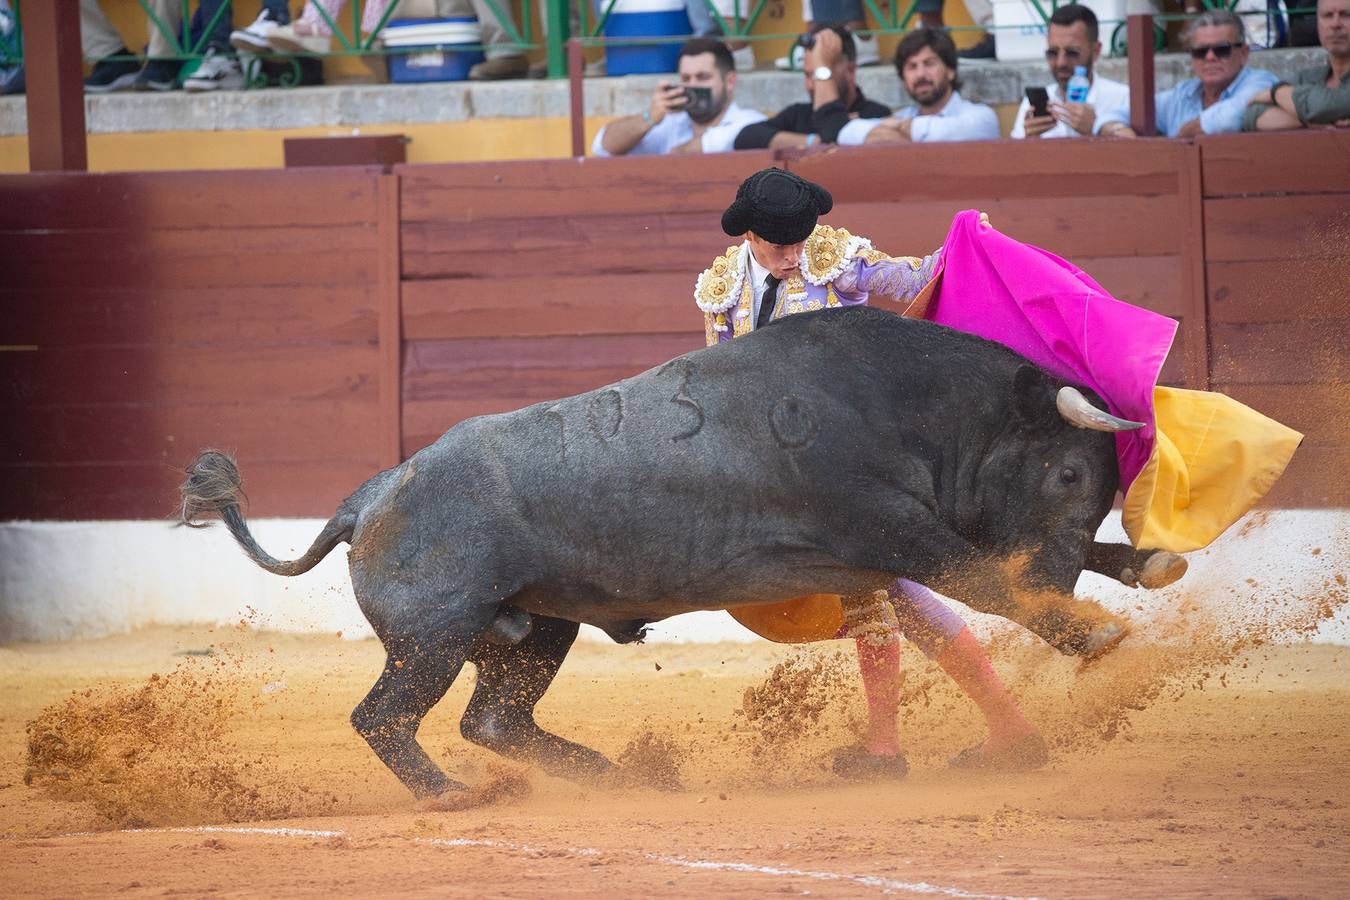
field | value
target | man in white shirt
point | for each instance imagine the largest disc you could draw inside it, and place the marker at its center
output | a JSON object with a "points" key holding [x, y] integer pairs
{"points": [[926, 61], [698, 115], [1071, 42]]}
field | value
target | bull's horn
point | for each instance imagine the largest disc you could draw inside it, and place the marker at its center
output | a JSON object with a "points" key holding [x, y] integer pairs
{"points": [[1077, 411]]}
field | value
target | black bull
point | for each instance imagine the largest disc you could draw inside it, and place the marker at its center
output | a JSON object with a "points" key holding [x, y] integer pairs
{"points": [[830, 453]]}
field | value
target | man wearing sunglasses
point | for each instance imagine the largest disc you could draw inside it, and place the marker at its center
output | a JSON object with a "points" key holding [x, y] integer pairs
{"points": [[1071, 42], [1215, 100]]}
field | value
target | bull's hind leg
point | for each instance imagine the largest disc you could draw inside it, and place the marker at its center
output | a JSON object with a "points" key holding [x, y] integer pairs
{"points": [[419, 669], [511, 679]]}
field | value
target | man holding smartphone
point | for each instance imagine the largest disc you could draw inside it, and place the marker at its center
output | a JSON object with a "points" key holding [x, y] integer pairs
{"points": [[698, 115], [1046, 112]]}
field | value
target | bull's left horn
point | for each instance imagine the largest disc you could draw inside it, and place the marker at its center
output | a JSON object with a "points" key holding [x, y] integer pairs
{"points": [[1077, 411]]}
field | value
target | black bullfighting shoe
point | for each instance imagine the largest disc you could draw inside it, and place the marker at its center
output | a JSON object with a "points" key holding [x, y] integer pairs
{"points": [[857, 764]]}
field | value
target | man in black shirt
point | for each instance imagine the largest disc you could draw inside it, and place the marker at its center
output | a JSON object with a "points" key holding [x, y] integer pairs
{"points": [[832, 83]]}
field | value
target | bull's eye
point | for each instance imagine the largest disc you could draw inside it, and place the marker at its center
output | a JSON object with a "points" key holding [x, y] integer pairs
{"points": [[1067, 475]]}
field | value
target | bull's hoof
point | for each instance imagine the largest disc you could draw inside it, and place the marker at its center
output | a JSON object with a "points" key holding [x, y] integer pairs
{"points": [[857, 764], [1161, 569], [1101, 641], [441, 787], [1022, 755]]}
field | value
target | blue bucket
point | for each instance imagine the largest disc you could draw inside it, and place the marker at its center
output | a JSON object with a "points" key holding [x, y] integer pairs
{"points": [[645, 18], [426, 49]]}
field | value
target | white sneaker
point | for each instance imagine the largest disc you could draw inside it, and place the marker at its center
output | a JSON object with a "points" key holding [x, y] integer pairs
{"points": [[216, 73], [284, 39], [793, 61], [868, 55], [744, 58], [254, 38]]}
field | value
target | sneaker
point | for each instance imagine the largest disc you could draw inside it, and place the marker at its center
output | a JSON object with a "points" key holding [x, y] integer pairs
{"points": [[158, 75], [13, 85], [793, 61], [744, 58], [500, 69], [981, 52], [217, 72], [285, 39], [110, 74], [254, 38], [868, 55]]}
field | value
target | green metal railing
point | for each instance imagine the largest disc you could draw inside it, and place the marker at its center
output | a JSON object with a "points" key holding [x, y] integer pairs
{"points": [[891, 18]]}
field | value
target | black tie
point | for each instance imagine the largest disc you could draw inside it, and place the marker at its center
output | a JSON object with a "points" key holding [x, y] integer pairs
{"points": [[768, 301]]}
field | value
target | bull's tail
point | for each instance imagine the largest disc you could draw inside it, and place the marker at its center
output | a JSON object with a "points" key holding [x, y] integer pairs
{"points": [[214, 488]]}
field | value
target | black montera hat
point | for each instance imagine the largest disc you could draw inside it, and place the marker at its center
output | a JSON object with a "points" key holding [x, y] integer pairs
{"points": [[776, 205]]}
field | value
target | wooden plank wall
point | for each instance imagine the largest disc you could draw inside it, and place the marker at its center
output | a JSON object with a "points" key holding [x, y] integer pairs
{"points": [[528, 281], [1277, 265], [149, 315], [321, 322]]}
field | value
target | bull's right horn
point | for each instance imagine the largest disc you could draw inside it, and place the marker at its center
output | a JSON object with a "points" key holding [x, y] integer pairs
{"points": [[1077, 411]]}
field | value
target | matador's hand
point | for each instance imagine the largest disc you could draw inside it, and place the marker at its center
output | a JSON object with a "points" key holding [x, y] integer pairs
{"points": [[984, 220]]}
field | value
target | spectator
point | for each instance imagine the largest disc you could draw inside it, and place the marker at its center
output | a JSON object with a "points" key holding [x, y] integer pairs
{"points": [[849, 14], [678, 122], [1318, 96], [311, 33], [836, 99], [115, 68], [1215, 100], [926, 61], [1071, 42]]}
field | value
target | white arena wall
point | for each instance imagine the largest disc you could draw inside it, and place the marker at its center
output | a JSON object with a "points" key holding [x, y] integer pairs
{"points": [[65, 580]]}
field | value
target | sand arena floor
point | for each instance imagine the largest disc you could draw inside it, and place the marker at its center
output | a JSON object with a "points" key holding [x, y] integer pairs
{"points": [[143, 765]]}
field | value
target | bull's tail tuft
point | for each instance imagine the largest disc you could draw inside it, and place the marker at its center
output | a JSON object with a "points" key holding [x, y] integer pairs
{"points": [[213, 487]]}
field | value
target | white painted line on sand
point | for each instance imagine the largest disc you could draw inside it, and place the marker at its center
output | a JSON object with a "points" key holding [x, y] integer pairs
{"points": [[872, 881]]}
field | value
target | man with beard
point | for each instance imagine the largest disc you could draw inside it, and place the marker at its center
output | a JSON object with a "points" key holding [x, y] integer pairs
{"points": [[698, 115], [926, 62], [1215, 100], [1071, 42], [835, 98]]}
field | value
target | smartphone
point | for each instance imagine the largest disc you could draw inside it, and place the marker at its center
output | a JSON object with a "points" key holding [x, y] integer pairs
{"points": [[1039, 100], [698, 100]]}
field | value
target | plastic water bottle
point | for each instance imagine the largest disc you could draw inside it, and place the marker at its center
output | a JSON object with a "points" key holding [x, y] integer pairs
{"points": [[1078, 86]]}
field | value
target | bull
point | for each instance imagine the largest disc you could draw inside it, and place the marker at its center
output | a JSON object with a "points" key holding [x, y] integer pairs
{"points": [[829, 453]]}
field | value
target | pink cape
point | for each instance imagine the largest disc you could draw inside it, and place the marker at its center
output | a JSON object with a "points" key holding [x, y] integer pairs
{"points": [[1052, 313]]}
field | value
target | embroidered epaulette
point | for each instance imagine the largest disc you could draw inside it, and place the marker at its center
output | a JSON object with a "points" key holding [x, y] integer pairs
{"points": [[828, 250], [718, 286]]}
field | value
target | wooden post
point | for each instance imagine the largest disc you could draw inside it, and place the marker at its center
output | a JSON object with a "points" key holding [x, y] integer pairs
{"points": [[388, 225], [54, 70], [1139, 40], [576, 71]]}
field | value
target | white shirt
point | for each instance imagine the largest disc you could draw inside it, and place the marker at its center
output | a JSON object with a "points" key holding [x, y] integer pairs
{"points": [[958, 120], [1104, 95], [757, 274], [676, 129]]}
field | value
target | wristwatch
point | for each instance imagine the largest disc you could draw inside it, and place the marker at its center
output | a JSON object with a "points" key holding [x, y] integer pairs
{"points": [[822, 73]]}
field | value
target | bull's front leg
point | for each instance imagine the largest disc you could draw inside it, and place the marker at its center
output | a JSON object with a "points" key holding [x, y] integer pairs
{"points": [[1150, 569], [511, 680], [932, 554]]}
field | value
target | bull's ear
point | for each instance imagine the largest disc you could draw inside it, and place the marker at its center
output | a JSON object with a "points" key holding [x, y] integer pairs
{"points": [[1033, 396]]}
